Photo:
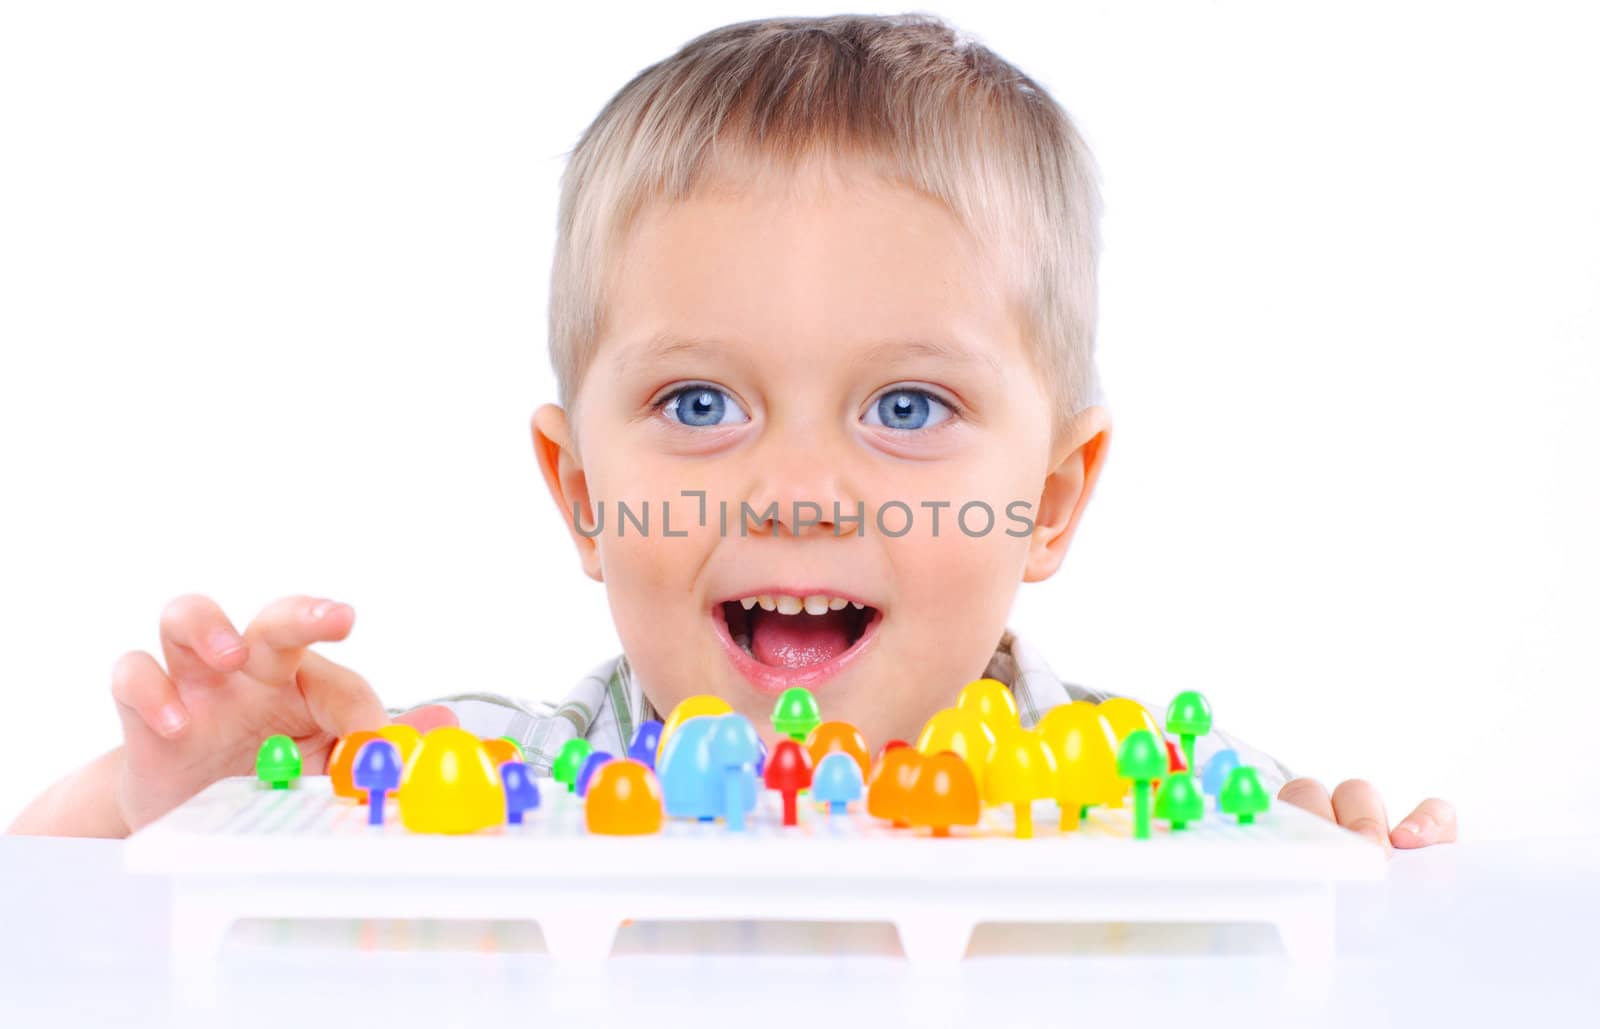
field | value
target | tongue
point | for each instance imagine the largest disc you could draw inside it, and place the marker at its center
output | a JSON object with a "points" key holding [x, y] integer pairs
{"points": [[794, 641]]}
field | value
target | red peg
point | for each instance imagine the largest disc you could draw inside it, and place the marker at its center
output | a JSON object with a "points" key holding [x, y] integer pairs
{"points": [[789, 772]]}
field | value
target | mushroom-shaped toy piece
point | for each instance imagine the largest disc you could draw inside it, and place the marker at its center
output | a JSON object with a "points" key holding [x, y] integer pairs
{"points": [[646, 742], [992, 702], [796, 714], [1175, 762], [569, 762], [1243, 795], [1141, 759], [342, 763], [1085, 751], [501, 750], [1126, 715], [405, 737], [945, 794], [624, 800], [1217, 769], [522, 793], [1179, 801], [840, 737], [377, 772], [699, 706], [691, 782], [789, 772], [889, 790], [962, 732], [278, 762], [1021, 771], [1188, 716], [735, 748], [595, 759], [450, 785], [836, 781]]}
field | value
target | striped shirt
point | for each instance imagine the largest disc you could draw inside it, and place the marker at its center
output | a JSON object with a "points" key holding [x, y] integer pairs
{"points": [[608, 704]]}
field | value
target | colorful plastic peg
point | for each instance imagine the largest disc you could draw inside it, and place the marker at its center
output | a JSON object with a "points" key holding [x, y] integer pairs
{"points": [[945, 794], [1126, 715], [1217, 769], [646, 742], [591, 763], [795, 714], [843, 738], [992, 702], [1085, 749], [1243, 795], [377, 771], [522, 793], [342, 763], [569, 762], [888, 746], [450, 785], [962, 732], [1142, 760], [1188, 716], [698, 706], [1021, 771], [278, 762], [735, 749], [789, 772], [1179, 801], [501, 750], [889, 791], [624, 800], [836, 781], [405, 737]]}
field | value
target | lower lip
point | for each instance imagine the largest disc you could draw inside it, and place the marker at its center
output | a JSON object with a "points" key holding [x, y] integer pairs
{"points": [[771, 679]]}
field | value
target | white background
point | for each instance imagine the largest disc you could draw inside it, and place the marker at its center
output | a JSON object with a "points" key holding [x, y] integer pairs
{"points": [[272, 301]]}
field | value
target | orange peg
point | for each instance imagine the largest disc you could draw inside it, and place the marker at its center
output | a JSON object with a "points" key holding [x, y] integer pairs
{"points": [[945, 794], [501, 751], [842, 737], [624, 799], [342, 764], [889, 792]]}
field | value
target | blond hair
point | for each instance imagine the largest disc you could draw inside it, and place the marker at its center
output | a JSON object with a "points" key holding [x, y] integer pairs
{"points": [[926, 106]]}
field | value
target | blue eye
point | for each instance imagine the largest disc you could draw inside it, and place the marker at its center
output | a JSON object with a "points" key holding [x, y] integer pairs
{"points": [[702, 407], [908, 409]]}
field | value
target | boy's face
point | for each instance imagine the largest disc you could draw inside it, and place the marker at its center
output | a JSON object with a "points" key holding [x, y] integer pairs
{"points": [[823, 339]]}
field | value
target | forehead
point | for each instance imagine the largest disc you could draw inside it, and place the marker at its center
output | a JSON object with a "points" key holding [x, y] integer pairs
{"points": [[826, 250]]}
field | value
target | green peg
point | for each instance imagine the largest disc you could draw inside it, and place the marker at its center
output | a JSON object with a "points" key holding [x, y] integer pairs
{"points": [[1188, 716], [1243, 795], [796, 713], [521, 754], [567, 763], [278, 762], [1142, 759], [1179, 801]]}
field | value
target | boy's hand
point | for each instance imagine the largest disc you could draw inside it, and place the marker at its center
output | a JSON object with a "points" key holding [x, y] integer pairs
{"points": [[1355, 804], [204, 716]]}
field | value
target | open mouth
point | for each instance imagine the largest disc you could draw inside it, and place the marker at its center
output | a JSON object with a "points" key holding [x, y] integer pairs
{"points": [[778, 640]]}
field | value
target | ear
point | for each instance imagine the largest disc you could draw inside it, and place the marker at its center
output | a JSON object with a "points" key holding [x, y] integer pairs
{"points": [[1075, 468], [563, 475]]}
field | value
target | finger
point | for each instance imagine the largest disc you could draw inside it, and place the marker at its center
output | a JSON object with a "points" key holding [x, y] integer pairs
{"points": [[1307, 794], [198, 641], [1434, 821], [428, 717], [1359, 808], [279, 635], [339, 700], [145, 697]]}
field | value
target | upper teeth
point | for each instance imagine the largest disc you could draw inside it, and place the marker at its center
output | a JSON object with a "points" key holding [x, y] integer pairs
{"points": [[787, 604]]}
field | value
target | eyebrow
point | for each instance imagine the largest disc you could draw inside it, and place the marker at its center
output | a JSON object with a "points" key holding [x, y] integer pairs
{"points": [[664, 345]]}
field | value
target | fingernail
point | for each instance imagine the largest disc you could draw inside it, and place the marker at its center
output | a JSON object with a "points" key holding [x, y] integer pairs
{"points": [[1410, 827], [321, 608], [225, 643], [173, 719]]}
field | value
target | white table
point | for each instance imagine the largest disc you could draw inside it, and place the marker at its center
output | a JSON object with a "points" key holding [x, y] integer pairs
{"points": [[1475, 933]]}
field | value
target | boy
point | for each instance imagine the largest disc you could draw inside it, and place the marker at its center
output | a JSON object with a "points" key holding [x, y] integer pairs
{"points": [[822, 315]]}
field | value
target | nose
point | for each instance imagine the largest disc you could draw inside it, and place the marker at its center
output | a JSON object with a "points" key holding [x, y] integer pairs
{"points": [[799, 488]]}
